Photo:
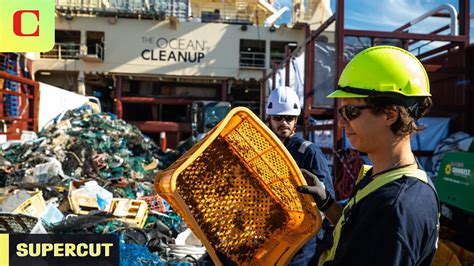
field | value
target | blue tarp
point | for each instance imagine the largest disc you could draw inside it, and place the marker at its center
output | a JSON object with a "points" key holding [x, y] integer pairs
{"points": [[437, 129]]}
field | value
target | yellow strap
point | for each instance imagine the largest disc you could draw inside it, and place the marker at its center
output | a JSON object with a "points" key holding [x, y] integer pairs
{"points": [[390, 177], [380, 181], [363, 170]]}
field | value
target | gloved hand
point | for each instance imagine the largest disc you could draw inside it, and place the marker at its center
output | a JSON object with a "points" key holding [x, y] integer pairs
{"points": [[316, 189]]}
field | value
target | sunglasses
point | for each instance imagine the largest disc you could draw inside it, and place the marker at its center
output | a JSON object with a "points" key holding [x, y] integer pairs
{"points": [[287, 118], [351, 112]]}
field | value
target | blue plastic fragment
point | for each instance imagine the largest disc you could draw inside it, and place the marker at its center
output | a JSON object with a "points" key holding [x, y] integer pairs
{"points": [[134, 255]]}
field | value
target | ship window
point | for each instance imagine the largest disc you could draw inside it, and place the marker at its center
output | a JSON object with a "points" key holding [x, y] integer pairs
{"points": [[95, 44], [67, 45], [252, 53], [277, 50]]}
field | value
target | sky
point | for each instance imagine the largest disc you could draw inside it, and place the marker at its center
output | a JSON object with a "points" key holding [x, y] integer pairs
{"points": [[387, 15]]}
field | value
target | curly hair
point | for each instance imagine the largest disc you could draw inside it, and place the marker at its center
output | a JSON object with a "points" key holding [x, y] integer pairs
{"points": [[406, 122]]}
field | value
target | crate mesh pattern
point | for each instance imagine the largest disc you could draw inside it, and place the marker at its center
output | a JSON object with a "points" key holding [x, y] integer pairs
{"points": [[236, 191], [241, 216]]}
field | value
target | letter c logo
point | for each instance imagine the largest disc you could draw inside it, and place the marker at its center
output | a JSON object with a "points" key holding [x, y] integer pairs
{"points": [[17, 22]]}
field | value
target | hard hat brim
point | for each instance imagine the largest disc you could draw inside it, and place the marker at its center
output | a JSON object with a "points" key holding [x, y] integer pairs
{"points": [[344, 94]]}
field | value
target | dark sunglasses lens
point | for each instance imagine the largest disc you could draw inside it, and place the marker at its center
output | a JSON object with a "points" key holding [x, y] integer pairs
{"points": [[288, 118], [349, 112]]}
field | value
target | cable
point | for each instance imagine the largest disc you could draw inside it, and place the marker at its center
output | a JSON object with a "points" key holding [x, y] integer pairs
{"points": [[346, 179]]}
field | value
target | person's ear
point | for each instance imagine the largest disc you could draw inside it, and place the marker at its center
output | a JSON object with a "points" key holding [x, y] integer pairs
{"points": [[391, 115]]}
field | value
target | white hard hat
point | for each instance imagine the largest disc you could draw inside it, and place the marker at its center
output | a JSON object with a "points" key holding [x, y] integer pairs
{"points": [[283, 101]]}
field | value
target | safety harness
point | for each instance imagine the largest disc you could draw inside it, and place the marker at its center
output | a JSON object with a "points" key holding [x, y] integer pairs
{"points": [[375, 184]]}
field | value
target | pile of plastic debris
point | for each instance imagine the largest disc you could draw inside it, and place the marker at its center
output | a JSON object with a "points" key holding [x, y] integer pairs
{"points": [[93, 173]]}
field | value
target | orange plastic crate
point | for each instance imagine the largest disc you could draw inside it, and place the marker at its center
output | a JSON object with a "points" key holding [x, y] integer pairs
{"points": [[236, 190]]}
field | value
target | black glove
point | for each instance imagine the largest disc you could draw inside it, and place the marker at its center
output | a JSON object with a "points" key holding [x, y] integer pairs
{"points": [[316, 189]]}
